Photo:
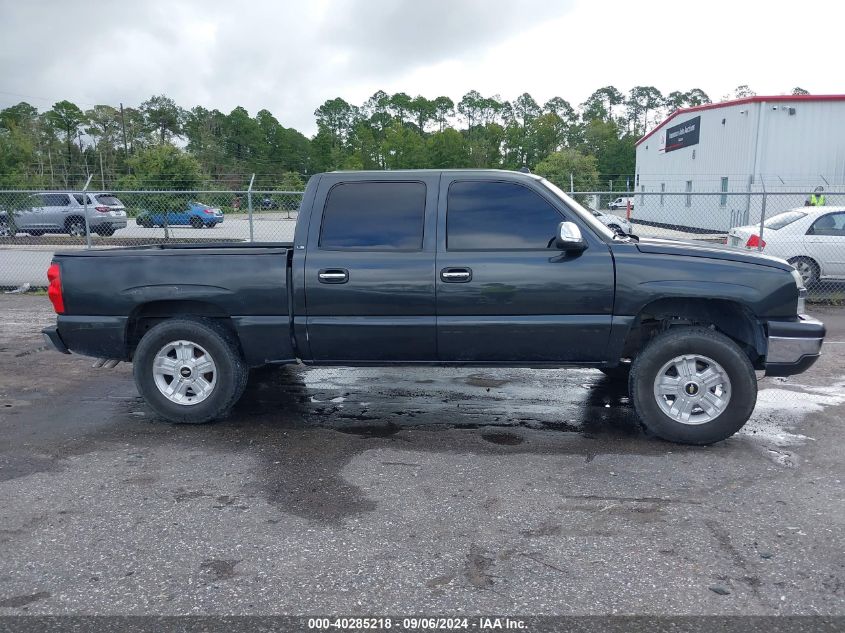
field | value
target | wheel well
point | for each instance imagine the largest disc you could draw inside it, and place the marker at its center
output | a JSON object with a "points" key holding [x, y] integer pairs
{"points": [[148, 315], [730, 318]]}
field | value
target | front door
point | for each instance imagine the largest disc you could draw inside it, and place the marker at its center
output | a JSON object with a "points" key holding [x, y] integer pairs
{"points": [[369, 271], [504, 293]]}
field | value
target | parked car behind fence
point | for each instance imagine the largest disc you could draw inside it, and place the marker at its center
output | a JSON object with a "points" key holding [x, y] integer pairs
{"points": [[64, 212]]}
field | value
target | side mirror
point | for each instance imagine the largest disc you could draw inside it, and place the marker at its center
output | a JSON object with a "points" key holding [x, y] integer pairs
{"points": [[569, 237]]}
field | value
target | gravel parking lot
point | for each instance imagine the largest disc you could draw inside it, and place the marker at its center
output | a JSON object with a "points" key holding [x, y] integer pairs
{"points": [[374, 491]]}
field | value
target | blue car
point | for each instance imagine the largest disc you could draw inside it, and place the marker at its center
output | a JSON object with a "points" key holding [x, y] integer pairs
{"points": [[196, 215]]}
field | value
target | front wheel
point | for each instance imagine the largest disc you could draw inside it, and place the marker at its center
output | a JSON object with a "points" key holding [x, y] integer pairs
{"points": [[190, 371], [693, 385]]}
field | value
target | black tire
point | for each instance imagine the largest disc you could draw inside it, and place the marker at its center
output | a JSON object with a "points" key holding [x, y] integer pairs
{"points": [[705, 342], [808, 268], [221, 345], [7, 230], [144, 222], [196, 223]]}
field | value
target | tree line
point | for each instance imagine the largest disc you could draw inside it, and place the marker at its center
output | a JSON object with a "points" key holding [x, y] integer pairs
{"points": [[161, 145]]}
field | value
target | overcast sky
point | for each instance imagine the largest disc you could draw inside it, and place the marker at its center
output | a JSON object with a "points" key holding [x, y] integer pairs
{"points": [[290, 56]]}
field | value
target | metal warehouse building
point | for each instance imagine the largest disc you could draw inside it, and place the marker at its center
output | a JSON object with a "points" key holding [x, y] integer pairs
{"points": [[773, 144]]}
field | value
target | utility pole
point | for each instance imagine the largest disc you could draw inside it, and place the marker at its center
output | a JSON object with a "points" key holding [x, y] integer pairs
{"points": [[123, 124]]}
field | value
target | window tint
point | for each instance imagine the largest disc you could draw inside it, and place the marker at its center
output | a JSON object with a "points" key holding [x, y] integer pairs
{"points": [[830, 224], [498, 215], [56, 199], [374, 216], [78, 197]]}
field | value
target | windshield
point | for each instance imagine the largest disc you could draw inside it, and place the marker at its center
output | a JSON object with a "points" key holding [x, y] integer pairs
{"points": [[585, 215], [783, 219]]}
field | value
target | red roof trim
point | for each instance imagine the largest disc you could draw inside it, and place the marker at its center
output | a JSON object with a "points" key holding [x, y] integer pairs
{"points": [[755, 99]]}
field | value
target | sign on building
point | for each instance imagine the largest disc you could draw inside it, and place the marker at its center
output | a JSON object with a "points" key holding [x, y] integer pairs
{"points": [[682, 135]]}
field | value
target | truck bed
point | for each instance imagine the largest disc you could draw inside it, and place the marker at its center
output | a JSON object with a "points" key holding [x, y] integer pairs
{"points": [[110, 293]]}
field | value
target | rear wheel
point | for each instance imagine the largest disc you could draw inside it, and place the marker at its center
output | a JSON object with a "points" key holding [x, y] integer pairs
{"points": [[196, 223], [7, 229], [693, 385], [75, 227], [807, 268], [190, 371]]}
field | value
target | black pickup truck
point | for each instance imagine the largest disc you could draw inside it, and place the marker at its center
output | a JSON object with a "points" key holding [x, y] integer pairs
{"points": [[466, 267]]}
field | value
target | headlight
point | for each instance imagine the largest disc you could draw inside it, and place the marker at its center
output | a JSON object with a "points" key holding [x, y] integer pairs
{"points": [[802, 291]]}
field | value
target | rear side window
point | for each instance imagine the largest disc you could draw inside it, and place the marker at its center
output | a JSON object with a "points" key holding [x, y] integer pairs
{"points": [[56, 200], [110, 200], [484, 215], [376, 216], [78, 198]]}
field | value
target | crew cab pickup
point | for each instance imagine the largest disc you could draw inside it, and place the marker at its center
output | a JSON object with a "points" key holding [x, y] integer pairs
{"points": [[459, 268]]}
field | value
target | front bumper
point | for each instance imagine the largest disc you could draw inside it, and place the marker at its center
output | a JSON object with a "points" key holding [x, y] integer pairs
{"points": [[793, 346]]}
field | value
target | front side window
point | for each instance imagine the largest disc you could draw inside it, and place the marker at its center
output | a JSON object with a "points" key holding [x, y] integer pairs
{"points": [[486, 215], [830, 224], [376, 216], [56, 200]]}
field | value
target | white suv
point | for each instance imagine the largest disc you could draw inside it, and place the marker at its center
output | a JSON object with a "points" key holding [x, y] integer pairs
{"points": [[62, 212]]}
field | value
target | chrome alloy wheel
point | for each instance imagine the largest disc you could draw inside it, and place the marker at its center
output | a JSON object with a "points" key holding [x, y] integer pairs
{"points": [[184, 372], [692, 389]]}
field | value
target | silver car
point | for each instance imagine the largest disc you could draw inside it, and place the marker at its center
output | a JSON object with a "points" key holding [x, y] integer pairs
{"points": [[61, 212], [614, 222]]}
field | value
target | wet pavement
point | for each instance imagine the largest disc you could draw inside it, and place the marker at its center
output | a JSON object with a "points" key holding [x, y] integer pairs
{"points": [[397, 490]]}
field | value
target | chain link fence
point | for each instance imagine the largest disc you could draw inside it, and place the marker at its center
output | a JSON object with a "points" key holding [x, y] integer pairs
{"points": [[33, 224]]}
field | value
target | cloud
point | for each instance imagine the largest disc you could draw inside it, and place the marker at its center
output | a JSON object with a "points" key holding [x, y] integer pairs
{"points": [[285, 57]]}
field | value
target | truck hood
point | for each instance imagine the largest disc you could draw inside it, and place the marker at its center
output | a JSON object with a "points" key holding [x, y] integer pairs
{"points": [[713, 251]]}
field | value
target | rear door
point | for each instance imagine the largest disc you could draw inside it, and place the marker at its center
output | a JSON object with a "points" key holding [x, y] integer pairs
{"points": [[369, 270], [504, 294], [57, 207]]}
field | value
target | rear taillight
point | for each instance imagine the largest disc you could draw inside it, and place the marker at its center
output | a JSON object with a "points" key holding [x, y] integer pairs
{"points": [[755, 242], [209, 211], [54, 291], [103, 209]]}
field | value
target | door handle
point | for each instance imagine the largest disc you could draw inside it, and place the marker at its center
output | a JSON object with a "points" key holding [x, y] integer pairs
{"points": [[333, 276], [456, 275]]}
